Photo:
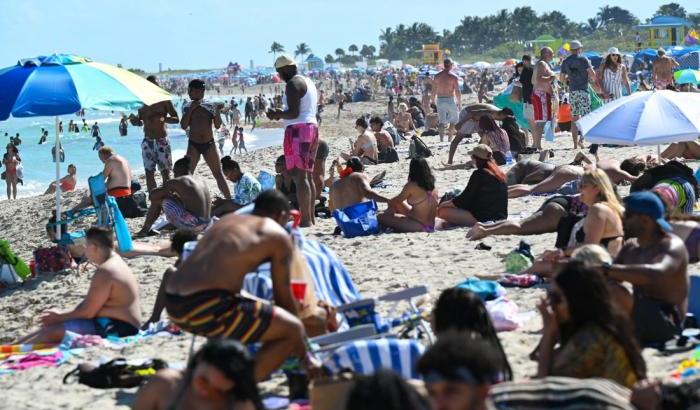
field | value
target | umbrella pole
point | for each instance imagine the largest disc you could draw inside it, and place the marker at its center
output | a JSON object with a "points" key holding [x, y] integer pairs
{"points": [[56, 158], [658, 153]]}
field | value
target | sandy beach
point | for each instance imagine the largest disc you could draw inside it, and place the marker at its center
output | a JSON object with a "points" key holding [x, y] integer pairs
{"points": [[378, 264]]}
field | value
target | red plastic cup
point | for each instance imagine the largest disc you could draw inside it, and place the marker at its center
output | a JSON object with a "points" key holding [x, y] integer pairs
{"points": [[296, 218], [32, 267], [298, 289]]}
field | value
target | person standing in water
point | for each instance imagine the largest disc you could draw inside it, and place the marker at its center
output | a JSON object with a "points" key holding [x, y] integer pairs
{"points": [[155, 147], [199, 116], [300, 133], [123, 126], [11, 161]]}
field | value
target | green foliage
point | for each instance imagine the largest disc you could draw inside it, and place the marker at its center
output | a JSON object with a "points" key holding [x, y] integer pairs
{"points": [[329, 59], [671, 9], [138, 71]]}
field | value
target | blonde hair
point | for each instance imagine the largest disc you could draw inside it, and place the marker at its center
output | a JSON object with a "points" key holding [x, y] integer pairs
{"points": [[599, 179], [106, 151], [591, 255], [403, 107]]}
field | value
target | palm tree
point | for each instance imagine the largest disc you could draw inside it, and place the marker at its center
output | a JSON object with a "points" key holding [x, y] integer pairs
{"points": [[302, 50], [352, 49], [276, 48], [329, 59], [339, 52]]}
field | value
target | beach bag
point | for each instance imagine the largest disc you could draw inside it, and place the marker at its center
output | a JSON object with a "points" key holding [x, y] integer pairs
{"points": [[388, 156], [389, 127], [519, 259], [331, 392], [52, 260], [358, 220], [267, 181], [418, 148], [503, 313], [117, 373], [20, 171], [549, 131], [12, 268], [486, 289], [596, 102]]}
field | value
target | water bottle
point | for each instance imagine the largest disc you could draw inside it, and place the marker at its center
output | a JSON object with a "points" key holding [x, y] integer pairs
{"points": [[509, 158]]}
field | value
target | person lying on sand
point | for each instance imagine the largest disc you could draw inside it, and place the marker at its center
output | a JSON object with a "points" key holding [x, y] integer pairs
{"points": [[203, 294], [219, 375], [353, 187], [111, 306], [184, 199], [685, 150], [414, 209]]}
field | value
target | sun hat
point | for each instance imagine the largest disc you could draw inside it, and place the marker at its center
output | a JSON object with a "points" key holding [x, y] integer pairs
{"points": [[482, 151], [613, 50], [575, 45], [649, 204], [284, 60]]}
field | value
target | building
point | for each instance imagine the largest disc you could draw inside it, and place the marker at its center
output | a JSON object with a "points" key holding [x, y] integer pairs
{"points": [[664, 31], [432, 54], [314, 63]]}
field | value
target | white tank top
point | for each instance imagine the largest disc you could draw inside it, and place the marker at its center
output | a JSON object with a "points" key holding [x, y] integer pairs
{"points": [[307, 105]]}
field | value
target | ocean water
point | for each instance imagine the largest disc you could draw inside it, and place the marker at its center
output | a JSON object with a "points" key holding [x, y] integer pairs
{"points": [[37, 161]]}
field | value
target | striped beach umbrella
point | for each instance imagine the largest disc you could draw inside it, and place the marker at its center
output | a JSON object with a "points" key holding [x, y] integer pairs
{"points": [[62, 84]]}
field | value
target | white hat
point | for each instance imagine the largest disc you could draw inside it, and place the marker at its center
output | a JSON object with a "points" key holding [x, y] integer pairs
{"points": [[284, 60], [575, 45], [613, 50]]}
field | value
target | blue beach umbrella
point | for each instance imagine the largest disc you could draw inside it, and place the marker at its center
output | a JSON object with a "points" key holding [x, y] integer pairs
{"points": [[687, 77], [62, 84]]}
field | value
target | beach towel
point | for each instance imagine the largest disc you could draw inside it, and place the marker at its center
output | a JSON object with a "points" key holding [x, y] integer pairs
{"points": [[503, 313], [486, 289], [367, 356]]}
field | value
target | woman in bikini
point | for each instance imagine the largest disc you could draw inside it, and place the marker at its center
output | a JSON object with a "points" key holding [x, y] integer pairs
{"points": [[404, 120], [11, 161], [602, 224], [365, 146], [415, 208], [67, 183]]}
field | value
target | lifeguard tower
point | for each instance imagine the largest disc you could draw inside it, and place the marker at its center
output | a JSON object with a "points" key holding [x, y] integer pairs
{"points": [[432, 54]]}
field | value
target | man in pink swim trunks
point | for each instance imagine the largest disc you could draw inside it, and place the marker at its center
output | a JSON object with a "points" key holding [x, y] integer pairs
{"points": [[300, 132]]}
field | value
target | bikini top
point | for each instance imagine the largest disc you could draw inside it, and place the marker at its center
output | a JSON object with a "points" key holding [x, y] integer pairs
{"points": [[428, 194]]}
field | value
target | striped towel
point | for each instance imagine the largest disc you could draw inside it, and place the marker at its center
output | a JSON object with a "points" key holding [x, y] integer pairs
{"points": [[561, 393], [368, 356], [331, 280]]}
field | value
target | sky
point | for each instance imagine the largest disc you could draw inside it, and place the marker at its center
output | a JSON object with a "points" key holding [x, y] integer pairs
{"points": [[210, 33]]}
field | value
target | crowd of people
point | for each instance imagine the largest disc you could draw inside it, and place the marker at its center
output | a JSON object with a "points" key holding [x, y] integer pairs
{"points": [[617, 274]]}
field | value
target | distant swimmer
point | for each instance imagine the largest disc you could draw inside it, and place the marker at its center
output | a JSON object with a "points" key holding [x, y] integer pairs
{"points": [[85, 126], [96, 133], [62, 154], [44, 136], [16, 141], [123, 127], [98, 144]]}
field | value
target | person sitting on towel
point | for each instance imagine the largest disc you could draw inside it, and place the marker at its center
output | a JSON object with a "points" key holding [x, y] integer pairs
{"points": [[111, 306], [184, 200], [219, 375], [203, 296]]}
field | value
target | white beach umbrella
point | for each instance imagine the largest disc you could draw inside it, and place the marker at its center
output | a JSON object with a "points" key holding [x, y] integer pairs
{"points": [[481, 65], [644, 118]]}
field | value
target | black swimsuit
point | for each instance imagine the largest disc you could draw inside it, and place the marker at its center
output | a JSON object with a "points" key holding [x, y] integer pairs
{"points": [[202, 147]]}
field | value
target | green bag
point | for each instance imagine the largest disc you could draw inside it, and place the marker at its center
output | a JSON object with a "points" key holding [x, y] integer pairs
{"points": [[596, 102], [17, 263]]}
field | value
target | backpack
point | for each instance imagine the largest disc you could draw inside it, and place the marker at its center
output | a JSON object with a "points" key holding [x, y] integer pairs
{"points": [[389, 127], [12, 268], [115, 373], [52, 260], [418, 148]]}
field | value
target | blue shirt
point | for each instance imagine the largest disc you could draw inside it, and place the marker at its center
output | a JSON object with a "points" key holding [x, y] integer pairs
{"points": [[246, 190]]}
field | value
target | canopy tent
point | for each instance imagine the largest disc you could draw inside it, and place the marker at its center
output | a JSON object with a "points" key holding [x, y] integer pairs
{"points": [[690, 60]]}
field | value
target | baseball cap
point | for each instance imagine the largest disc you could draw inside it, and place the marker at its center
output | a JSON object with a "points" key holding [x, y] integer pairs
{"points": [[284, 60], [482, 151], [649, 204], [575, 45]]}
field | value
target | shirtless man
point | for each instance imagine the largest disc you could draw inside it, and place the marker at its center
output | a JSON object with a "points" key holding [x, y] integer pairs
{"points": [[155, 147], [199, 117], [353, 188], [384, 139], [468, 123], [203, 294], [448, 99], [662, 73], [656, 265], [184, 199], [117, 174], [542, 94], [111, 306], [404, 120]]}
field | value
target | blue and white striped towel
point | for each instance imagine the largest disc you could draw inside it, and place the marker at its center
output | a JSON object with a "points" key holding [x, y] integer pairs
{"points": [[368, 356]]}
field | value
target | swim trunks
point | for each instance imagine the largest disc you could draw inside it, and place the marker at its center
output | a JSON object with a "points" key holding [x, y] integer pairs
{"points": [[156, 152], [180, 217], [580, 103], [219, 313], [660, 84], [541, 105], [447, 110], [119, 192], [100, 326], [300, 146]]}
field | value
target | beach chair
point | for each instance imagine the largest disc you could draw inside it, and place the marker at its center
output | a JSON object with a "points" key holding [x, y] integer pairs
{"points": [[105, 208]]}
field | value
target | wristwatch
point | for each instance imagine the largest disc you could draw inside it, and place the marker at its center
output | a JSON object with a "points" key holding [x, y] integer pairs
{"points": [[606, 268]]}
